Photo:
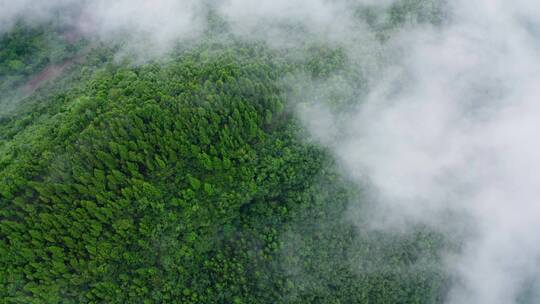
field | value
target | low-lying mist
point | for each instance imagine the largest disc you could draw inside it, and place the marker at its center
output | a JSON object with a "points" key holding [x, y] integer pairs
{"points": [[445, 138], [441, 131]]}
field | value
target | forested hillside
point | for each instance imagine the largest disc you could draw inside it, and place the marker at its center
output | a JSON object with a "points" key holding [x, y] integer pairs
{"points": [[183, 180]]}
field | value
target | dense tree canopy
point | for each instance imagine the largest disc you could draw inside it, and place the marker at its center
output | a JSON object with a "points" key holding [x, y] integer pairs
{"points": [[184, 181]]}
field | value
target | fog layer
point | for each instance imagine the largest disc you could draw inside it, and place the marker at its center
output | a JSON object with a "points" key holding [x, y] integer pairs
{"points": [[446, 138], [442, 135]]}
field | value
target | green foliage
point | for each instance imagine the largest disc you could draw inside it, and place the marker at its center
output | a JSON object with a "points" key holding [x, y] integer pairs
{"points": [[385, 21], [187, 182], [24, 50], [31, 56]]}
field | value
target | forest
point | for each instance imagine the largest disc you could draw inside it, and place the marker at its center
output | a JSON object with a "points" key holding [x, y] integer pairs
{"points": [[188, 179]]}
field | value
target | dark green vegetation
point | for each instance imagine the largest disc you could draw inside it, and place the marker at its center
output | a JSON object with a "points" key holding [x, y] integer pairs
{"points": [[25, 51], [186, 182]]}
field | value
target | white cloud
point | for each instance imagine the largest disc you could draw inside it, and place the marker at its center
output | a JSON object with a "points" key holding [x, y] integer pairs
{"points": [[454, 132], [447, 135]]}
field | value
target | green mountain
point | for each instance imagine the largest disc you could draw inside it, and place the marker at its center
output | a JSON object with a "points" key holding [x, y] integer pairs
{"points": [[184, 180]]}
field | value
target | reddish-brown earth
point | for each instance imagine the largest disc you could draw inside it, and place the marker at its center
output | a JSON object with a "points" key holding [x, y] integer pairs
{"points": [[50, 73], [53, 71]]}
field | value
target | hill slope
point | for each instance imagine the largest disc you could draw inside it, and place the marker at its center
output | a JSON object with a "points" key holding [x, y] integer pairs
{"points": [[187, 181]]}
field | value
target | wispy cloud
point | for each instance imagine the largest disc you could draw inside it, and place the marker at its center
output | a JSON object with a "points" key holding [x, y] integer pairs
{"points": [[445, 134], [447, 138]]}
